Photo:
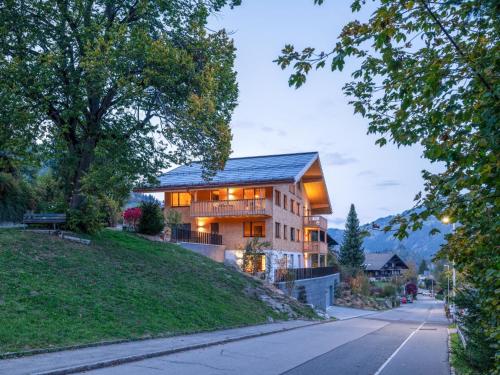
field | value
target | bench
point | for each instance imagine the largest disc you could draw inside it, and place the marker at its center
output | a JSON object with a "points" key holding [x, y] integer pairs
{"points": [[53, 219]]}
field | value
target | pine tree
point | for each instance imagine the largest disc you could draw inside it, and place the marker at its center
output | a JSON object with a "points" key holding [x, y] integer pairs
{"points": [[351, 251], [422, 267]]}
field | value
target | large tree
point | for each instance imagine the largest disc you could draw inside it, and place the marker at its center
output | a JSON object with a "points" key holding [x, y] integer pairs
{"points": [[114, 91], [429, 75], [351, 250]]}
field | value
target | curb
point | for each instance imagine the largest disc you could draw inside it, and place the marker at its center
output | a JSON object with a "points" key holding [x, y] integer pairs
{"points": [[140, 357]]}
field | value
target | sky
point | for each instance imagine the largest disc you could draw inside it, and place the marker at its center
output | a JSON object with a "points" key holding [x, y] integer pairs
{"points": [[273, 118]]}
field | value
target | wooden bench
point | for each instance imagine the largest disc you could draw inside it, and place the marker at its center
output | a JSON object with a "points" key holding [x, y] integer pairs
{"points": [[53, 219]]}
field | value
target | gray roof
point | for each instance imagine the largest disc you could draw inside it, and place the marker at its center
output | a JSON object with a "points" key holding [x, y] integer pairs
{"points": [[375, 261], [247, 170]]}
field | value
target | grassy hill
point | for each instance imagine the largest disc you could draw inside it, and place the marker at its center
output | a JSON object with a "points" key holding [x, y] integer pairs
{"points": [[57, 293]]}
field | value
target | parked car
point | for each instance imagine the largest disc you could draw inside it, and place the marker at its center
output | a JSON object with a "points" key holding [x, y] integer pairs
{"points": [[403, 299]]}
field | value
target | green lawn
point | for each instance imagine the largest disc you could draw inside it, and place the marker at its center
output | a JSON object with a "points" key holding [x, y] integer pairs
{"points": [[57, 293]]}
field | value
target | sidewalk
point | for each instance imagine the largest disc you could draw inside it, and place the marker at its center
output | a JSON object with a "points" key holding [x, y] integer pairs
{"points": [[72, 361], [343, 313]]}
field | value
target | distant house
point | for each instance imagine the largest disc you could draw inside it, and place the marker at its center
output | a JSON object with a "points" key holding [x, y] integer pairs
{"points": [[383, 265]]}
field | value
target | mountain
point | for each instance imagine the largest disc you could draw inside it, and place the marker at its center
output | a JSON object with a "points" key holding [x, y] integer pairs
{"points": [[417, 246]]}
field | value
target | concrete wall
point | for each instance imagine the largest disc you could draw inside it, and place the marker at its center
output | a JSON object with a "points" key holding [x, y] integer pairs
{"points": [[319, 290], [214, 252]]}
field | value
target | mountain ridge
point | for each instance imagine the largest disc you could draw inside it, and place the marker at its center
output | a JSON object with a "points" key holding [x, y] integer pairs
{"points": [[417, 246]]}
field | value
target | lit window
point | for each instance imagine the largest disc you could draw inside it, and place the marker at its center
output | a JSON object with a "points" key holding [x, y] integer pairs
{"points": [[181, 200], [254, 193], [254, 229]]}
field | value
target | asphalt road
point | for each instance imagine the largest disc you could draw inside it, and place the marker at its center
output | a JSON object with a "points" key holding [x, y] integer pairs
{"points": [[408, 340]]}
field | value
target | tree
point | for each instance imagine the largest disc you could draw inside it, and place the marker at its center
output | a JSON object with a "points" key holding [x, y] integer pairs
{"points": [[151, 220], [351, 250], [428, 75], [114, 91], [422, 267]]}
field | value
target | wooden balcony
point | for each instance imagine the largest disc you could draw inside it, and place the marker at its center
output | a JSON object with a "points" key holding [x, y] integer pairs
{"points": [[315, 247], [316, 222], [232, 208]]}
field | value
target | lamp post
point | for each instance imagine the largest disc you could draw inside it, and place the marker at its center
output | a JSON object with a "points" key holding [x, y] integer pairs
{"points": [[448, 279], [447, 220]]}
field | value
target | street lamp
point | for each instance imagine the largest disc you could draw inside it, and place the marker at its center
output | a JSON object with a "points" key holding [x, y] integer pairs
{"points": [[448, 279], [447, 220]]}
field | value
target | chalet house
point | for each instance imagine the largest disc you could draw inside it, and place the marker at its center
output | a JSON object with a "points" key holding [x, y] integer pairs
{"points": [[383, 265], [278, 199]]}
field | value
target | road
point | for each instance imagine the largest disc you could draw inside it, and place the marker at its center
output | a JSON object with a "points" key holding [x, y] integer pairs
{"points": [[407, 340]]}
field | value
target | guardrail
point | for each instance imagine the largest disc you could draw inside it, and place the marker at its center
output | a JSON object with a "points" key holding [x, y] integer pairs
{"points": [[315, 221], [183, 235], [281, 275], [236, 207]]}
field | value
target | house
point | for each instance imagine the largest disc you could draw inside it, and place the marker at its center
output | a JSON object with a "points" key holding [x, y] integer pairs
{"points": [[278, 199], [383, 265]]}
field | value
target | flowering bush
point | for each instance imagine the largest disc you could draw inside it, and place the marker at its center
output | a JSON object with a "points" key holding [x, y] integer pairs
{"points": [[132, 216]]}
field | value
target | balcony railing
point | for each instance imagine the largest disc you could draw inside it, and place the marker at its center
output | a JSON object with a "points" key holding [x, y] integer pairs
{"points": [[237, 207], [281, 275], [315, 221], [183, 235], [315, 247]]}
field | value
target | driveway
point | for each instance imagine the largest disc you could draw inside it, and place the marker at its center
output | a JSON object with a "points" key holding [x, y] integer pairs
{"points": [[408, 340]]}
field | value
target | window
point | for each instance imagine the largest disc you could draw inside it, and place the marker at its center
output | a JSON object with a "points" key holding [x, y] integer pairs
{"points": [[322, 236], [254, 229], [292, 234], [214, 227], [277, 230], [292, 206], [285, 202], [291, 260], [285, 229], [215, 195], [180, 199], [313, 236], [298, 209], [277, 198], [299, 261], [254, 193], [298, 235]]}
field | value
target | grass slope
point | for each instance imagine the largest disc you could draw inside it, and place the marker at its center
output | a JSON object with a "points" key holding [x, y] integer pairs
{"points": [[58, 293]]}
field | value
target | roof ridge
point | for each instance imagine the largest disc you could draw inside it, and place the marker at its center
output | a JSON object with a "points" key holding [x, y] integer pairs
{"points": [[266, 156]]}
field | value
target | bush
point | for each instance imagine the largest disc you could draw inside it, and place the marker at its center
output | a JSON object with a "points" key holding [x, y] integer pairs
{"points": [[360, 284], [151, 221], [87, 219], [110, 210], [131, 216], [389, 290], [15, 198]]}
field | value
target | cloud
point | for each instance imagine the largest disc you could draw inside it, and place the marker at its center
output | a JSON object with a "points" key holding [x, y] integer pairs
{"points": [[336, 220], [366, 173], [269, 129], [387, 184], [337, 158]]}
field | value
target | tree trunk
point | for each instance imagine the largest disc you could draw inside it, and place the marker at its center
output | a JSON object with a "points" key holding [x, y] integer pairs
{"points": [[84, 163]]}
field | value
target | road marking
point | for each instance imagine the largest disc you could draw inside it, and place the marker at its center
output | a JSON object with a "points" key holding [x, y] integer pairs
{"points": [[379, 371]]}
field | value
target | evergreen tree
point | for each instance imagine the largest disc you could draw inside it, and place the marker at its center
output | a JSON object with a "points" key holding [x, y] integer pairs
{"points": [[422, 267], [351, 251]]}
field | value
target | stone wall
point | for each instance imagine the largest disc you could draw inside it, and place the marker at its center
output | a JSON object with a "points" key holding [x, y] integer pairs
{"points": [[319, 291]]}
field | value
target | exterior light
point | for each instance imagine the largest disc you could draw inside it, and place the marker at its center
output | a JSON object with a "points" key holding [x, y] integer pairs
{"points": [[445, 219]]}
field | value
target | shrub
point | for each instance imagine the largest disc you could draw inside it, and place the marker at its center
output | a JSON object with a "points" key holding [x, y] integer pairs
{"points": [[151, 221], [389, 290], [110, 210], [15, 197], [86, 219], [360, 284], [302, 294]]}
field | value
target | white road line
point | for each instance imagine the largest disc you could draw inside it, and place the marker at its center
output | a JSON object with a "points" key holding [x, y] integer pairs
{"points": [[379, 371]]}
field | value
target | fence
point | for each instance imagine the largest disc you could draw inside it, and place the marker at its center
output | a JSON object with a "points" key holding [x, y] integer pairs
{"points": [[281, 275], [184, 235]]}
